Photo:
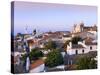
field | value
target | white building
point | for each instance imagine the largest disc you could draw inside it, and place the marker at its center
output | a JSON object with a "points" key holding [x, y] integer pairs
{"points": [[81, 47]]}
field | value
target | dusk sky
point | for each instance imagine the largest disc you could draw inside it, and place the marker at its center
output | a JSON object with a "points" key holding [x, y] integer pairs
{"points": [[51, 17]]}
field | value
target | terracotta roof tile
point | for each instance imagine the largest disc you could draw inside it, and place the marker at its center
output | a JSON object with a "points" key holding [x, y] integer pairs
{"points": [[90, 43], [36, 63], [76, 46]]}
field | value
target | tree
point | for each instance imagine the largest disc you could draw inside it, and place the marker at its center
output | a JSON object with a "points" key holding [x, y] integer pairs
{"points": [[19, 34], [83, 63], [54, 58], [86, 63], [76, 39], [35, 54], [65, 44], [51, 45], [24, 57], [93, 64]]}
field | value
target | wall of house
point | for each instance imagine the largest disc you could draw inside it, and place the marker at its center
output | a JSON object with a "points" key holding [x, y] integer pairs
{"points": [[94, 48], [94, 32], [80, 51], [38, 69]]}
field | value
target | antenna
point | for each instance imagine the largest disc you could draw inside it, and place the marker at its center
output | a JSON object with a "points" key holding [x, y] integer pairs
{"points": [[26, 29]]}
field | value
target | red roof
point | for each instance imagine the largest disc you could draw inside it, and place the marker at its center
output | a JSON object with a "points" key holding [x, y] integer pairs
{"points": [[36, 63], [75, 46], [88, 39], [90, 43]]}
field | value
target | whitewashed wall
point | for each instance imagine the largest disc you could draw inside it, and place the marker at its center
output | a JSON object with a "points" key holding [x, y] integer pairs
{"points": [[86, 50], [73, 51], [94, 48]]}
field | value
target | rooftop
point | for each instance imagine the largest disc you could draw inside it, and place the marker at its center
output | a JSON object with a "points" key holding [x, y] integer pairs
{"points": [[77, 46], [36, 63], [91, 43]]}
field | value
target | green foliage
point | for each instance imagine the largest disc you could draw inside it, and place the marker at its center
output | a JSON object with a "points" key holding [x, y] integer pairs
{"points": [[54, 58], [83, 63], [35, 54], [76, 39], [50, 45], [19, 34], [86, 63], [93, 64], [65, 44], [24, 57]]}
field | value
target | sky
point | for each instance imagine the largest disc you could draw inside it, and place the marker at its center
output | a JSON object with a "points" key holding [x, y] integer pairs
{"points": [[51, 17]]}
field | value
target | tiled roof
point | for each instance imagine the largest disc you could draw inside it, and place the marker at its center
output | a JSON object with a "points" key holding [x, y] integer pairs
{"points": [[84, 32], [66, 35], [94, 28], [77, 46], [91, 43], [89, 39], [30, 41], [36, 63]]}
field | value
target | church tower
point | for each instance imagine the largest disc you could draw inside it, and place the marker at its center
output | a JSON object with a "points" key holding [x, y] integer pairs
{"points": [[34, 32]]}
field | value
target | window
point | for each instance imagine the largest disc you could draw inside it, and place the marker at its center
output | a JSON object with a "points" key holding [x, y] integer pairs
{"points": [[76, 52], [83, 51], [90, 48]]}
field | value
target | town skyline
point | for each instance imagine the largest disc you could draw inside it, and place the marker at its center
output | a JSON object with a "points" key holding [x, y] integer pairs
{"points": [[48, 37], [51, 17]]}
